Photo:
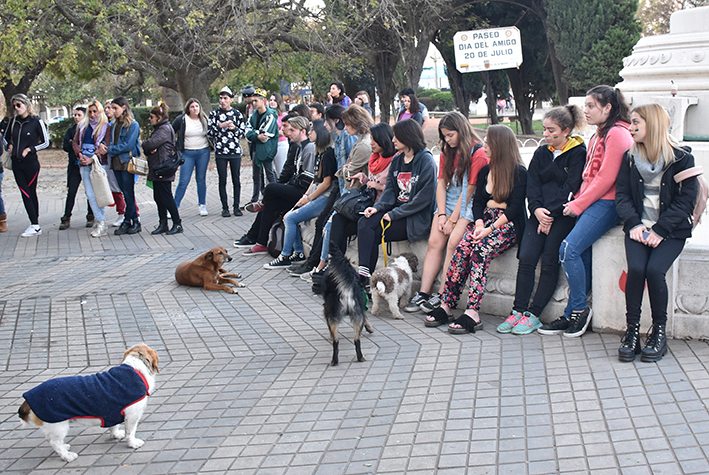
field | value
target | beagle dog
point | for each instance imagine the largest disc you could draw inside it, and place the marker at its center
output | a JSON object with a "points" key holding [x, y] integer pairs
{"points": [[206, 272], [106, 399]]}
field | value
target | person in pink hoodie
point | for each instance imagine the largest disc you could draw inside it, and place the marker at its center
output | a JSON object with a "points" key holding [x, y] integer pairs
{"points": [[593, 204]]}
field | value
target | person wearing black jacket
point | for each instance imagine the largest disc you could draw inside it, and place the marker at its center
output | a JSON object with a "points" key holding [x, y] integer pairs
{"points": [[279, 197], [657, 216], [3, 215], [554, 175], [158, 149], [25, 135], [73, 175]]}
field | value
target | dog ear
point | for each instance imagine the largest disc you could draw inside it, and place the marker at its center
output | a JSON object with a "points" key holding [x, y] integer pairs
{"points": [[153, 355], [209, 256]]}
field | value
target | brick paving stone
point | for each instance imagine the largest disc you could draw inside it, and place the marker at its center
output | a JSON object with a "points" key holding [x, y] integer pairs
{"points": [[245, 385]]}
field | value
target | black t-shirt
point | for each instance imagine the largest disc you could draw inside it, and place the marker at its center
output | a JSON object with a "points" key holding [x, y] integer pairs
{"points": [[326, 165], [403, 181]]}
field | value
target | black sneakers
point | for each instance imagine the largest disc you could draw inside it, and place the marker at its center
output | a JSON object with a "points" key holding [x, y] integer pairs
{"points": [[560, 325], [245, 241], [578, 322]]}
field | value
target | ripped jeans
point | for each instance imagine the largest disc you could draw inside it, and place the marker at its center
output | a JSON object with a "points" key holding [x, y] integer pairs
{"points": [[575, 250]]}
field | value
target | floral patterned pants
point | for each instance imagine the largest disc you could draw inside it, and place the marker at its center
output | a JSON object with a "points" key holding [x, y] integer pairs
{"points": [[473, 260]]}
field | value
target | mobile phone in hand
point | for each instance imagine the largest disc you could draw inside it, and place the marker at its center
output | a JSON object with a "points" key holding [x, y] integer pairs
{"points": [[646, 234]]}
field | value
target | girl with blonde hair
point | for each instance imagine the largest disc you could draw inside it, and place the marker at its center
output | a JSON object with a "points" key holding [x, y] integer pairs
{"points": [[656, 204]]}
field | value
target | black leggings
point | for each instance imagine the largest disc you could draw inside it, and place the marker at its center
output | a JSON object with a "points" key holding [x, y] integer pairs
{"points": [[651, 264], [162, 194], [234, 164], [533, 247], [369, 238], [73, 180], [26, 172]]}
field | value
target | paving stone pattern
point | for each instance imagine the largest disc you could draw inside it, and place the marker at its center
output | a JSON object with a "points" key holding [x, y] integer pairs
{"points": [[245, 385]]}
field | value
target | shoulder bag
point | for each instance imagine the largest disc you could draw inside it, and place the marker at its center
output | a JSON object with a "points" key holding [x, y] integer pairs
{"points": [[99, 182], [351, 204], [137, 165]]}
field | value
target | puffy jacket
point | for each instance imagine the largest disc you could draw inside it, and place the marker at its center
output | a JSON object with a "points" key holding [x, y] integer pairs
{"points": [[418, 211], [515, 211], [676, 199], [162, 141], [128, 141]]}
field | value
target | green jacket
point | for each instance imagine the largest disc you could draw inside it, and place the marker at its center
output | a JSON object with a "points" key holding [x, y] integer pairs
{"points": [[268, 125]]}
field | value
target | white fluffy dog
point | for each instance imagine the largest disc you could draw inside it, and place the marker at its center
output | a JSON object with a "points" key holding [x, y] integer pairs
{"points": [[106, 399], [393, 283]]}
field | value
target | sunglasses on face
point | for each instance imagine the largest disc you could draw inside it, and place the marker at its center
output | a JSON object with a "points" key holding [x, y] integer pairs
{"points": [[17, 105]]}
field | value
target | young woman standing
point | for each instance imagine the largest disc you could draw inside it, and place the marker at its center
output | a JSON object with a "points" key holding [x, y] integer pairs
{"points": [[657, 216], [593, 204], [25, 135], [499, 214], [191, 130], [462, 158], [411, 109], [158, 149], [275, 102], [125, 142], [554, 175]]}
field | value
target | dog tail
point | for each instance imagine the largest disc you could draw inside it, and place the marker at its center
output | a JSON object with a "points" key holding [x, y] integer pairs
{"points": [[381, 287]]}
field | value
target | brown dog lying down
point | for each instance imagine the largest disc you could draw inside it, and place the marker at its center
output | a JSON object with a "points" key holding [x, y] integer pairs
{"points": [[206, 272]]}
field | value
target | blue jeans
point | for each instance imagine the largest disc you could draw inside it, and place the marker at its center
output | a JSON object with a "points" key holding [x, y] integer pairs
{"points": [[291, 238], [326, 239], [2, 203], [90, 195], [575, 250], [194, 160], [126, 181]]}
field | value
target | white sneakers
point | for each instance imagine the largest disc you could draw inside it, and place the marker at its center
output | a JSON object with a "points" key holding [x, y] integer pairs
{"points": [[33, 230], [203, 210], [119, 222], [100, 229]]}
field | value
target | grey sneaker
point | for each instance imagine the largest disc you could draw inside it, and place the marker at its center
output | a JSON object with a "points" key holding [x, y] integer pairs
{"points": [[416, 301], [431, 304]]}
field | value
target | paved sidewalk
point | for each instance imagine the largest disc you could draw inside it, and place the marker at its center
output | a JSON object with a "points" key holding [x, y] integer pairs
{"points": [[245, 385]]}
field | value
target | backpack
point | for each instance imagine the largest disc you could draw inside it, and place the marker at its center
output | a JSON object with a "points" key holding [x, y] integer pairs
{"points": [[275, 237], [702, 194]]}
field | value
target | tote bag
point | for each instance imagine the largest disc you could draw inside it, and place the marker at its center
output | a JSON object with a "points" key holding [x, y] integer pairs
{"points": [[99, 182]]}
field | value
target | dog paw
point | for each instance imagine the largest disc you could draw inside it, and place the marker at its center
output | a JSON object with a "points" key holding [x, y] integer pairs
{"points": [[369, 327], [118, 434], [135, 443], [69, 456], [240, 284], [398, 317], [237, 275], [232, 291]]}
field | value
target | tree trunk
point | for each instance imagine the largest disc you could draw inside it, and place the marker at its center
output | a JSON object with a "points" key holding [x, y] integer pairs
{"points": [[9, 89], [562, 89], [455, 79], [191, 84], [523, 101], [491, 102], [384, 66]]}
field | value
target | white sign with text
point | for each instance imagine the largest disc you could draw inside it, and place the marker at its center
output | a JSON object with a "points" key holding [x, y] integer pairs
{"points": [[485, 50]]}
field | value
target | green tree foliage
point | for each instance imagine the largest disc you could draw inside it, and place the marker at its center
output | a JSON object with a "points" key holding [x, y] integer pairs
{"points": [[186, 45], [592, 37]]}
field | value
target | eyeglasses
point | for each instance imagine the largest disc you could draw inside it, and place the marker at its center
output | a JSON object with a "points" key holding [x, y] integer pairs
{"points": [[17, 105]]}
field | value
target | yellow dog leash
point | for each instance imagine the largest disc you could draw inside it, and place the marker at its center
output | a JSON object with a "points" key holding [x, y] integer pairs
{"points": [[384, 246]]}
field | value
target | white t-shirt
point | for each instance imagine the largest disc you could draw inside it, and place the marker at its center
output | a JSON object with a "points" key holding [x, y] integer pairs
{"points": [[195, 135]]}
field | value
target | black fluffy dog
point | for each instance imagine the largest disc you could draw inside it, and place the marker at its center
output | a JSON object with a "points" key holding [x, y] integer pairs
{"points": [[344, 296]]}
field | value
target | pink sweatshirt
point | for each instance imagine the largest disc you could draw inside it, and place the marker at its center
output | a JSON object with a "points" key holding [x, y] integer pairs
{"points": [[602, 167]]}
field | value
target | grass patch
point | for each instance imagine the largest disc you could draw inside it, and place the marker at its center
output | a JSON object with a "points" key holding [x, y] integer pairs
{"points": [[516, 128]]}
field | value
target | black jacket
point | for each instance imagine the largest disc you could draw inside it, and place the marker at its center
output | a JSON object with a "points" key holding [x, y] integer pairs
{"points": [[162, 140], [29, 132], [676, 199], [550, 182], [68, 146]]}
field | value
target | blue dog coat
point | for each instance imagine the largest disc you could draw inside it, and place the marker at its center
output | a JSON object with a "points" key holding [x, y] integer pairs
{"points": [[101, 396]]}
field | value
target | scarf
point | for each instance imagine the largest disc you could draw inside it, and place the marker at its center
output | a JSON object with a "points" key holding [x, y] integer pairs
{"points": [[377, 163]]}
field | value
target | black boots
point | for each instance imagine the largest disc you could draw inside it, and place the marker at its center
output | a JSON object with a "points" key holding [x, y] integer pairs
{"points": [[656, 344], [630, 343], [65, 222], [176, 229], [162, 228]]}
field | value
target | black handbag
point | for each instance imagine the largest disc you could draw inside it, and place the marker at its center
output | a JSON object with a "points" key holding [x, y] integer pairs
{"points": [[351, 204], [275, 237], [169, 167]]}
